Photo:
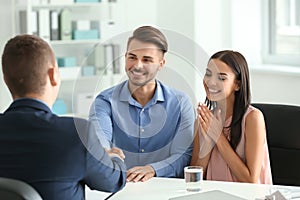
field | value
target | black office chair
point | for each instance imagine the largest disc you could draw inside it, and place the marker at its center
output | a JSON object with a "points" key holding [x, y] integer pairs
{"points": [[283, 136], [12, 189]]}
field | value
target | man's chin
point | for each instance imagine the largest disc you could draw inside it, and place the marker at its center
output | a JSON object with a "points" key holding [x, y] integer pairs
{"points": [[139, 83]]}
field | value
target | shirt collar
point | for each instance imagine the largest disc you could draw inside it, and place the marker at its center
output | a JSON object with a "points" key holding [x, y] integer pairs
{"points": [[30, 102], [126, 96], [34, 99]]}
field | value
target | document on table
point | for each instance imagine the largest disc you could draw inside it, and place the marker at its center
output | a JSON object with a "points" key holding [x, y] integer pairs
{"points": [[211, 195]]}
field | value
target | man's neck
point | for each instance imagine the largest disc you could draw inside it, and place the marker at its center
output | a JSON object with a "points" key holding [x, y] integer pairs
{"points": [[143, 94], [42, 98]]}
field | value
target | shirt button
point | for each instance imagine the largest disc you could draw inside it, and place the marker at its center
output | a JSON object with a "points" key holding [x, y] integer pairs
{"points": [[142, 150], [142, 130], [143, 110]]}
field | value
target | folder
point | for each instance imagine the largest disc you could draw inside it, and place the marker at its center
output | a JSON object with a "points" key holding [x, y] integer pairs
{"points": [[54, 25], [44, 24], [116, 59], [33, 20], [65, 25], [97, 58], [109, 59]]}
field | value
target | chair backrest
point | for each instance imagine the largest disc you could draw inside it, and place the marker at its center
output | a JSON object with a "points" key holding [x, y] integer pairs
{"points": [[12, 189], [283, 136]]}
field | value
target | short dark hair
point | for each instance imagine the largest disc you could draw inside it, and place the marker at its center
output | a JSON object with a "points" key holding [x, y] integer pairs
{"points": [[152, 35], [25, 63]]}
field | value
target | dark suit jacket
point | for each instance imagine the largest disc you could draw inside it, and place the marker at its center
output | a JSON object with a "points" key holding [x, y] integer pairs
{"points": [[50, 153]]}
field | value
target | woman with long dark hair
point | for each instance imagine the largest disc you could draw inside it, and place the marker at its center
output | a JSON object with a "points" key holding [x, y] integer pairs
{"points": [[230, 136]]}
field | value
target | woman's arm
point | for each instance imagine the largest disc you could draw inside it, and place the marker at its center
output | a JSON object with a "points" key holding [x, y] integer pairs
{"points": [[201, 154], [254, 143]]}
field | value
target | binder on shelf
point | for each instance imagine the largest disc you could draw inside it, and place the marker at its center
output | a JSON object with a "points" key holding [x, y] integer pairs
{"points": [[33, 19], [94, 25], [65, 25], [44, 24], [116, 57], [54, 25], [109, 59], [97, 58]]}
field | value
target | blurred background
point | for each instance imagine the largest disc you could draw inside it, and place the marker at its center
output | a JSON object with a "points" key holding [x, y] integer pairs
{"points": [[89, 38]]}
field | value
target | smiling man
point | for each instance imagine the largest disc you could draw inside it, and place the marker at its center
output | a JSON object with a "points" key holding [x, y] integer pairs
{"points": [[151, 122]]}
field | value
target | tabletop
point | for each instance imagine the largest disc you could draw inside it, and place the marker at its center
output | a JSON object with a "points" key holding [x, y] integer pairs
{"points": [[165, 188]]}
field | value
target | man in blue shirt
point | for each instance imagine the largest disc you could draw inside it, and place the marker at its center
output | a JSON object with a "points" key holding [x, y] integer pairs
{"points": [[151, 122]]}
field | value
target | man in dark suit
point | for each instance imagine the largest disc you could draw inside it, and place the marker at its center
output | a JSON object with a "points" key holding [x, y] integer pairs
{"points": [[58, 156]]}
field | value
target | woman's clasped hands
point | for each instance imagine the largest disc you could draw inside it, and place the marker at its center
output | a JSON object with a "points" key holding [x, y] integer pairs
{"points": [[210, 123]]}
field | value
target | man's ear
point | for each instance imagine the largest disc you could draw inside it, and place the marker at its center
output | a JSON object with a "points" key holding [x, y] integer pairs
{"points": [[53, 76], [162, 63]]}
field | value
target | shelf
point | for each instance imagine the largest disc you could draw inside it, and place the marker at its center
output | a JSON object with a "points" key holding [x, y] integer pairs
{"points": [[72, 42], [72, 81], [60, 6]]}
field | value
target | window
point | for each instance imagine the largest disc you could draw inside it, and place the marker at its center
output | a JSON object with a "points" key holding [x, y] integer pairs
{"points": [[282, 44]]}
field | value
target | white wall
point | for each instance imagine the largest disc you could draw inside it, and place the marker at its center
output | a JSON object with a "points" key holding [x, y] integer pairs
{"points": [[5, 33], [275, 86], [212, 25], [238, 25]]}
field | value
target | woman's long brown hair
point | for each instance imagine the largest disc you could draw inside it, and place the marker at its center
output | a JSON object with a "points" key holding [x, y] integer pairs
{"points": [[239, 66]]}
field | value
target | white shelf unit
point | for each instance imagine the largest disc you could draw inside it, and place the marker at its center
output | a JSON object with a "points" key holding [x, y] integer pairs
{"points": [[73, 83]]}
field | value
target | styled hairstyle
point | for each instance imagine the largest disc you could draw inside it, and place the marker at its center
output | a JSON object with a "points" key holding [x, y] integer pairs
{"points": [[151, 35], [25, 63], [237, 62]]}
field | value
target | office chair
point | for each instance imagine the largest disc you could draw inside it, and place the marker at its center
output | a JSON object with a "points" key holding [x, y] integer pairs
{"points": [[12, 189], [283, 136]]}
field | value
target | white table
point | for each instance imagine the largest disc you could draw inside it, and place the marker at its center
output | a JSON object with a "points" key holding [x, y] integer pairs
{"points": [[165, 188]]}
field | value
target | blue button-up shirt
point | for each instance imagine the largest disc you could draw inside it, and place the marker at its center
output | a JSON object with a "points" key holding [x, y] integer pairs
{"points": [[159, 134]]}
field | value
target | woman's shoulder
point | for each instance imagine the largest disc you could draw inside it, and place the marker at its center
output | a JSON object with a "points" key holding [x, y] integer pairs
{"points": [[253, 112], [253, 115]]}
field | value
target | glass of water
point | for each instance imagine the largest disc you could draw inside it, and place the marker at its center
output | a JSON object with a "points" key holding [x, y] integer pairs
{"points": [[193, 178]]}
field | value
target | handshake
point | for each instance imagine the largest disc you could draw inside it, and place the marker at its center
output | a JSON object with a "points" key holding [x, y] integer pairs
{"points": [[115, 152]]}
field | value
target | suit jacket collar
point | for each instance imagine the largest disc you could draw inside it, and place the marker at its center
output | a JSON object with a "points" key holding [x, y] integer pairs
{"points": [[28, 103]]}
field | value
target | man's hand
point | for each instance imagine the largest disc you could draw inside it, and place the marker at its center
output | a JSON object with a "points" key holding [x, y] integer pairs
{"points": [[140, 173], [115, 152]]}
